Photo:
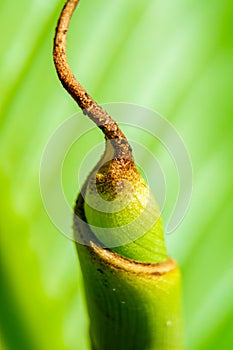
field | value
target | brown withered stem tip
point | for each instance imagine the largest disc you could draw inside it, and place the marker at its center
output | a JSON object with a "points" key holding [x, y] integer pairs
{"points": [[74, 88]]}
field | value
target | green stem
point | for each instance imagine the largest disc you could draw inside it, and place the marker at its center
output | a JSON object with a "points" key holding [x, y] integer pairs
{"points": [[132, 305], [132, 287]]}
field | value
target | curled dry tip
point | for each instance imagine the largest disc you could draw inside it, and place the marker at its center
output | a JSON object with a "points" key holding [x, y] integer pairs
{"points": [[95, 112], [119, 185]]}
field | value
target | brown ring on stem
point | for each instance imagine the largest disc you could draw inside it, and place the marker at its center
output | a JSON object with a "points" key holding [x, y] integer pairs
{"points": [[95, 112]]}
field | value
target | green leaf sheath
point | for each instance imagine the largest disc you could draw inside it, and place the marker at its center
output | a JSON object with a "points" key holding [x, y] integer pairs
{"points": [[132, 305], [132, 287]]}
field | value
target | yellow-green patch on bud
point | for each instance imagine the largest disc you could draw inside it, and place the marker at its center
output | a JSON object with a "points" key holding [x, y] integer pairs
{"points": [[122, 212]]}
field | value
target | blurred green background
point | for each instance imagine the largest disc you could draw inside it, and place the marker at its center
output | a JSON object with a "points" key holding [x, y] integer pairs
{"points": [[174, 56]]}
